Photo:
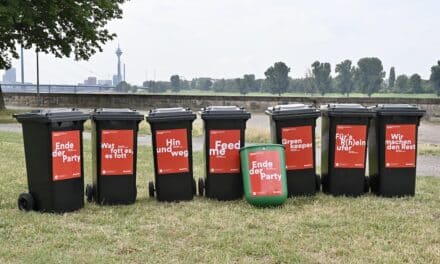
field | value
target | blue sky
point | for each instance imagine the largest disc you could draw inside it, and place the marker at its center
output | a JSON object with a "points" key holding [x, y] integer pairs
{"points": [[229, 38]]}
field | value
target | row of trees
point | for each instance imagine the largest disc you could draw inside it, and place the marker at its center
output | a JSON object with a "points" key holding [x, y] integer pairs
{"points": [[366, 77]]}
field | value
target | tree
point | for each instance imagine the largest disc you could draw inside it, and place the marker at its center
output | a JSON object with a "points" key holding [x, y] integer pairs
{"points": [[309, 84], [249, 83], [321, 76], [219, 86], [58, 27], [402, 83], [369, 75], [241, 84], [391, 78], [204, 84], [415, 83], [345, 77], [435, 77], [277, 77], [175, 83]]}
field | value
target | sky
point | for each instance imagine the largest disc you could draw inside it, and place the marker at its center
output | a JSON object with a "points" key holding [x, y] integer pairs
{"points": [[230, 38]]}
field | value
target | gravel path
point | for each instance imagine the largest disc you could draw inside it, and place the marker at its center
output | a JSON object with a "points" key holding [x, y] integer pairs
{"points": [[428, 133]]}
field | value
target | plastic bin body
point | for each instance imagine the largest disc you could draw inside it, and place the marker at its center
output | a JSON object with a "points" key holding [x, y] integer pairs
{"points": [[293, 126], [171, 130], [343, 148], [114, 154], [224, 136], [393, 149], [54, 158], [264, 174]]}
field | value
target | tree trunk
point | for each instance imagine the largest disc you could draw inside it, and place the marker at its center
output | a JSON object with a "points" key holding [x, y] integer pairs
{"points": [[2, 102]]}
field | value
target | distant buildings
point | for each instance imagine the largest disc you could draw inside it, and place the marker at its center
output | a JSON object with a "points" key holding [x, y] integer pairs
{"points": [[105, 82], [10, 76], [90, 81]]}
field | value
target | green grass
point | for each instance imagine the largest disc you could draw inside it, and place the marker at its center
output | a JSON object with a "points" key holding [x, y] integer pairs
{"points": [[6, 116], [429, 149], [319, 229]]}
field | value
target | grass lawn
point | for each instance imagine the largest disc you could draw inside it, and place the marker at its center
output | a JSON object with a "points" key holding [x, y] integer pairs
{"points": [[320, 229]]}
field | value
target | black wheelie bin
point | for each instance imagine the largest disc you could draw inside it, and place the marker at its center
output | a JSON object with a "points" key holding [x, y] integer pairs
{"points": [[343, 148], [224, 136], [393, 149], [171, 132], [114, 155], [293, 125], [54, 163]]}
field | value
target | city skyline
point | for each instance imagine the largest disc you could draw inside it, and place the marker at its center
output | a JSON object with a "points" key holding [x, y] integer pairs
{"points": [[193, 39]]}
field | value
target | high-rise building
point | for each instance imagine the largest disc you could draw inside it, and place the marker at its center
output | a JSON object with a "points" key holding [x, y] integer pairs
{"points": [[118, 78], [10, 76]]}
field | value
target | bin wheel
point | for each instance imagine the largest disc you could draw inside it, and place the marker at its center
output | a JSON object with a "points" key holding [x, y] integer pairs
{"points": [[90, 193], [366, 184], [201, 187], [25, 202], [151, 188], [317, 183], [194, 187]]}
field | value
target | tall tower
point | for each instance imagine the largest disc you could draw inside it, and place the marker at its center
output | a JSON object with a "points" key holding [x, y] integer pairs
{"points": [[119, 53]]}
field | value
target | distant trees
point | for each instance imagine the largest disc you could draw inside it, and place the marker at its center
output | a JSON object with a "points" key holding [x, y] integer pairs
{"points": [[365, 77], [175, 83], [402, 83], [369, 75], [344, 79], [435, 77], [277, 76], [391, 78], [415, 83], [321, 76]]}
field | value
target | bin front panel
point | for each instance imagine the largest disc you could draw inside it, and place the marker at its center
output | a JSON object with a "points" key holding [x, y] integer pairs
{"points": [[298, 142], [172, 151], [224, 147], [66, 155], [117, 152], [400, 146], [265, 173], [350, 146]]}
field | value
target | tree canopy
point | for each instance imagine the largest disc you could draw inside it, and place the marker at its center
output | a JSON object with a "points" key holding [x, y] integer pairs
{"points": [[175, 83], [345, 76], [59, 27], [277, 76], [369, 75], [392, 78], [321, 76], [435, 77]]}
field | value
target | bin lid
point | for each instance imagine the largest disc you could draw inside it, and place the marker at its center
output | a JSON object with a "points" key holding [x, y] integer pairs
{"points": [[347, 110], [288, 111], [261, 146], [224, 112], [116, 114], [170, 114], [52, 115], [398, 109]]}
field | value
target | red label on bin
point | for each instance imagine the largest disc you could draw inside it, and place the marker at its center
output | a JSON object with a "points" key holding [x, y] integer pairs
{"points": [[172, 151], [265, 173], [224, 147], [400, 146], [66, 155], [298, 142], [117, 152], [350, 146]]}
